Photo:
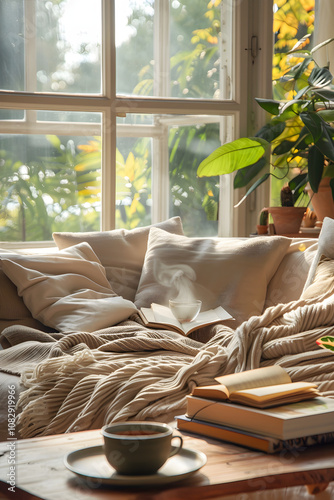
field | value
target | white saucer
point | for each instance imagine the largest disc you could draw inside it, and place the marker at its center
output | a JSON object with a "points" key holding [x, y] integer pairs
{"points": [[91, 463]]}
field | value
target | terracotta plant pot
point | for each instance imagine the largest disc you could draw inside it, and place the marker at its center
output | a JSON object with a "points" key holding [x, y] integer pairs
{"points": [[322, 201], [261, 229], [287, 220]]}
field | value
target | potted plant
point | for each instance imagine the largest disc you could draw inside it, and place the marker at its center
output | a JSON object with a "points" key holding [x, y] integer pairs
{"points": [[262, 226], [287, 218], [297, 144]]}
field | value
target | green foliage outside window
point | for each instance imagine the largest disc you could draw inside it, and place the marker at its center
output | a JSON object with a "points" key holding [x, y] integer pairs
{"points": [[293, 20]]}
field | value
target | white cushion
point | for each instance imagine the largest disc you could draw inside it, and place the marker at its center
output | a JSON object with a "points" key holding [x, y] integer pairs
{"points": [[231, 273], [68, 290]]}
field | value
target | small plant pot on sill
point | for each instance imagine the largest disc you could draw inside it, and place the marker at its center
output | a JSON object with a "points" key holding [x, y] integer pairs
{"points": [[261, 229], [287, 220]]}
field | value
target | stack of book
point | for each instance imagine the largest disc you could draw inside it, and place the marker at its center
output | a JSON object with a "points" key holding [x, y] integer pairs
{"points": [[260, 409]]}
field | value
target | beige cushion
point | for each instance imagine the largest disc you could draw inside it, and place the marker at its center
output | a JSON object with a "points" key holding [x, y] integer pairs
{"points": [[121, 252], [227, 272], [323, 281], [68, 290], [288, 282], [11, 305]]}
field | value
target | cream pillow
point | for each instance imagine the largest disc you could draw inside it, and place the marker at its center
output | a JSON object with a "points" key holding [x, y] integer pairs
{"points": [[323, 281], [233, 273], [120, 251], [68, 290]]}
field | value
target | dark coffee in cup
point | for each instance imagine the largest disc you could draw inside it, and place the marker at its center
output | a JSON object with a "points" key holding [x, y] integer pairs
{"points": [[138, 448], [136, 433]]}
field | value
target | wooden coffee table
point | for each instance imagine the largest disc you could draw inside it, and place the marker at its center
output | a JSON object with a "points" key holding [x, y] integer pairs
{"points": [[41, 474]]}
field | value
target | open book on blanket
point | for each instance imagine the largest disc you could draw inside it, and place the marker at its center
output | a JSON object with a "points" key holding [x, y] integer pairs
{"points": [[159, 316], [261, 388]]}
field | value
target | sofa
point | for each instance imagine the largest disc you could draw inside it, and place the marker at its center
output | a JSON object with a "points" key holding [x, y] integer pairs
{"points": [[74, 347]]}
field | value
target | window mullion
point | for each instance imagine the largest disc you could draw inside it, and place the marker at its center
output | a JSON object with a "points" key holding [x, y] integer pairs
{"points": [[261, 25], [175, 106], [53, 102], [226, 56], [242, 27], [30, 45], [161, 48], [30, 54], [52, 128], [160, 159], [160, 177], [108, 166], [227, 130]]}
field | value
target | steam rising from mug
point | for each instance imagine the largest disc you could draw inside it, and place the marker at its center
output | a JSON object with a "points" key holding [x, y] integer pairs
{"points": [[180, 278]]}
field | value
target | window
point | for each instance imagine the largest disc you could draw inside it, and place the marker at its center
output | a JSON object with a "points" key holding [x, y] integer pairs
{"points": [[104, 128]]}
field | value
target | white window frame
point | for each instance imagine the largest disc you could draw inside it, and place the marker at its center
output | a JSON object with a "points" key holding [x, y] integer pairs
{"points": [[251, 16]]}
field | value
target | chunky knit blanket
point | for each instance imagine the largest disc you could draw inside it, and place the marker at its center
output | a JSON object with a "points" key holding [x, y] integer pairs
{"points": [[81, 380]]}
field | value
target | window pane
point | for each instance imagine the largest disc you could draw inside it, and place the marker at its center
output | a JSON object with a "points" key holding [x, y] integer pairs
{"points": [[49, 182], [11, 114], [134, 46], [191, 59], [69, 46], [11, 45], [194, 199], [50, 46], [68, 116], [172, 150], [135, 119], [195, 40], [133, 182]]}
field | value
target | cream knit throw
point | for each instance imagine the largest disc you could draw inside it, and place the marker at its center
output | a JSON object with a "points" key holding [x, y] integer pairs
{"points": [[130, 372]]}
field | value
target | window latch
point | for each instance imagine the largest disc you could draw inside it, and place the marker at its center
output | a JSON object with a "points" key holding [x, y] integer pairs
{"points": [[254, 48]]}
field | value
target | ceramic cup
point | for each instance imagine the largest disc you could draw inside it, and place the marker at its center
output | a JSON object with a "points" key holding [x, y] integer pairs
{"points": [[138, 448], [185, 311]]}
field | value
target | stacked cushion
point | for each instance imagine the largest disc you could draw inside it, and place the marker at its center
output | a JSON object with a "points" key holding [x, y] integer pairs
{"points": [[120, 251]]}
